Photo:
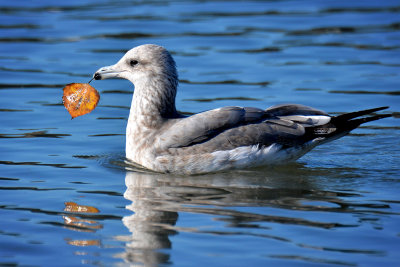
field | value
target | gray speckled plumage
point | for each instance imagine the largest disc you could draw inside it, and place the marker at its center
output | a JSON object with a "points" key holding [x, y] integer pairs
{"points": [[161, 139]]}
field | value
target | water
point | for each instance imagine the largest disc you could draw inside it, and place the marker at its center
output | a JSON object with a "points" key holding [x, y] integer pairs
{"points": [[68, 199]]}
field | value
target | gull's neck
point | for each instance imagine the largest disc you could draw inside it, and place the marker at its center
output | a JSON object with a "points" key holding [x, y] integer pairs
{"points": [[153, 102]]}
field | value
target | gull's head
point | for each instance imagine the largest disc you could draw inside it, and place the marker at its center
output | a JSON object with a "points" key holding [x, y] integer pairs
{"points": [[141, 63]]}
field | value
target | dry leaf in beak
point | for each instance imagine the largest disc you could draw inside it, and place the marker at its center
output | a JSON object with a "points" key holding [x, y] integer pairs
{"points": [[80, 98]]}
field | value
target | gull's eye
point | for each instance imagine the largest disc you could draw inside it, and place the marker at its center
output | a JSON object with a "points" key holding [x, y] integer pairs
{"points": [[133, 62]]}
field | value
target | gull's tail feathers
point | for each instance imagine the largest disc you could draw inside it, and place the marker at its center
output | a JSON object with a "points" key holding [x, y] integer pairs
{"points": [[343, 124]]}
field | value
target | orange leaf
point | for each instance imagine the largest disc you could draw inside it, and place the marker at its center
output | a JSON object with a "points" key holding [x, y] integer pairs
{"points": [[83, 243], [74, 207], [80, 98]]}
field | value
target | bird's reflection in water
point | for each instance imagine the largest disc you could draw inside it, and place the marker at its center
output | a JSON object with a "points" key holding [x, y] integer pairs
{"points": [[157, 199], [150, 221]]}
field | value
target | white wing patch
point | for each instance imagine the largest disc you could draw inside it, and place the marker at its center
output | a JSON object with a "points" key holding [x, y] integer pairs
{"points": [[312, 120]]}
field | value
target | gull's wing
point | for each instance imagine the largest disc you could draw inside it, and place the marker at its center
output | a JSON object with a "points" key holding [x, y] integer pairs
{"points": [[202, 126], [240, 126]]}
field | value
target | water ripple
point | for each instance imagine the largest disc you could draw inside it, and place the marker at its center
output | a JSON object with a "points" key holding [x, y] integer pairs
{"points": [[241, 98], [30, 85], [263, 84], [33, 134], [34, 163], [365, 92], [31, 188], [296, 258]]}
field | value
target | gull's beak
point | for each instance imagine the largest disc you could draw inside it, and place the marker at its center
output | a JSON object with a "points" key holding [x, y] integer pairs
{"points": [[107, 73]]}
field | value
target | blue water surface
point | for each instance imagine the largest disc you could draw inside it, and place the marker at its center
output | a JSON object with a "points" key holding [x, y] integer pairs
{"points": [[67, 198]]}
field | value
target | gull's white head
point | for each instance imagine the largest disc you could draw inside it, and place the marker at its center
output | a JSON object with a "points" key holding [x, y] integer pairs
{"points": [[141, 64], [152, 70]]}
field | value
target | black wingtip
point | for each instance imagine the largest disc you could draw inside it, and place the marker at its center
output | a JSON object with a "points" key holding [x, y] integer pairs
{"points": [[358, 122], [352, 115], [345, 123], [350, 121]]}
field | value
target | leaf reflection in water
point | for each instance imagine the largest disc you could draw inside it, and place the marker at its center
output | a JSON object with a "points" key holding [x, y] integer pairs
{"points": [[79, 224]]}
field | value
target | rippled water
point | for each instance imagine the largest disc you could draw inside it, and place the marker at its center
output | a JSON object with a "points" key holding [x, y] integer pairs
{"points": [[66, 197]]}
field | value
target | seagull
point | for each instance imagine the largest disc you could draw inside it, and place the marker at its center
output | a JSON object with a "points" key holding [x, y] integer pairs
{"points": [[161, 139]]}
